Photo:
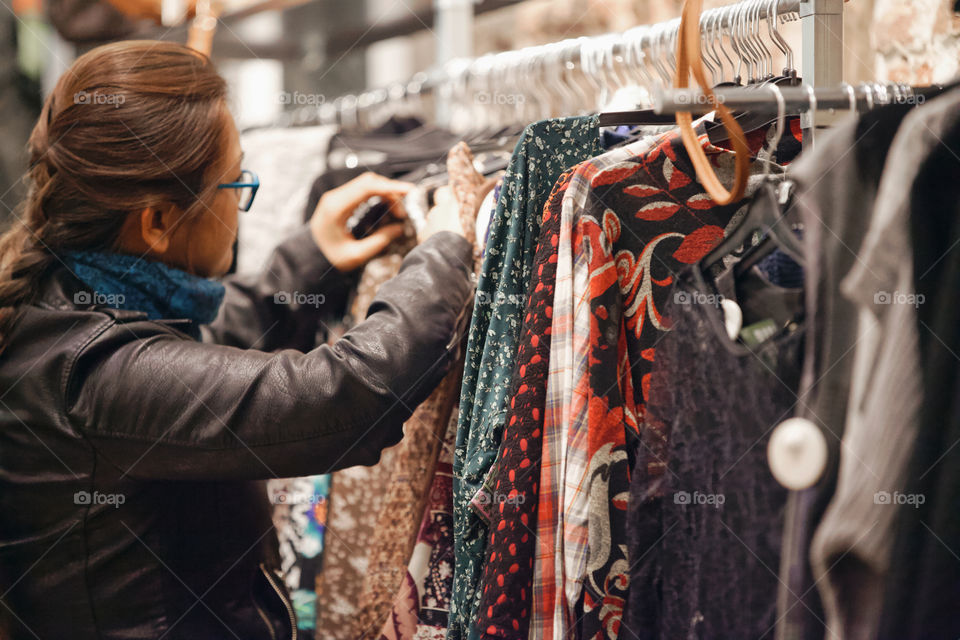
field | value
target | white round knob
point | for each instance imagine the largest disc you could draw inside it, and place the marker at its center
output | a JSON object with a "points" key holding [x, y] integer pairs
{"points": [[797, 453], [732, 317]]}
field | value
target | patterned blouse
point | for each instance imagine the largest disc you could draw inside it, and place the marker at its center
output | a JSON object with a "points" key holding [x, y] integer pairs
{"points": [[508, 567], [544, 151]]}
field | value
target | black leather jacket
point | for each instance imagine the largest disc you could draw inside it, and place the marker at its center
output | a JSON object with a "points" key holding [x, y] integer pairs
{"points": [[132, 457]]}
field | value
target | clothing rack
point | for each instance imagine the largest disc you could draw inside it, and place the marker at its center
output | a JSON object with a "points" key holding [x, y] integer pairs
{"points": [[647, 50]]}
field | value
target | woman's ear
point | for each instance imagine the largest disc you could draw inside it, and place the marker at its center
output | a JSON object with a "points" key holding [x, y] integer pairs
{"points": [[156, 227]]}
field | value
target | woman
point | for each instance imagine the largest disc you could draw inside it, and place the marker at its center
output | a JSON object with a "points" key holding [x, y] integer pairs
{"points": [[137, 411]]}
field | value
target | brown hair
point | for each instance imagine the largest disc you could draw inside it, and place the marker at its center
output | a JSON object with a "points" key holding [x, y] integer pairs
{"points": [[130, 125]]}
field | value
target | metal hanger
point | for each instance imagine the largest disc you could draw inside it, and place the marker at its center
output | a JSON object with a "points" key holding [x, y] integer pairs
{"points": [[751, 27], [584, 87], [614, 61], [764, 213], [758, 23], [645, 46], [718, 25], [749, 56], [655, 42], [707, 28], [635, 57], [779, 41], [707, 63], [766, 57], [669, 44]]}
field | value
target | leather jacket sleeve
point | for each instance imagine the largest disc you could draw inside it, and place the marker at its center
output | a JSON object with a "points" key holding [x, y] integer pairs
{"points": [[280, 307], [158, 406]]}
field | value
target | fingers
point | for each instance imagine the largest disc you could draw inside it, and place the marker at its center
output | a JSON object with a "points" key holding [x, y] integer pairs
{"points": [[374, 244], [342, 201], [397, 210]]}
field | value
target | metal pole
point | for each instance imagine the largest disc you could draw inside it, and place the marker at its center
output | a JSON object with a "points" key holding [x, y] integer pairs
{"points": [[822, 55]]}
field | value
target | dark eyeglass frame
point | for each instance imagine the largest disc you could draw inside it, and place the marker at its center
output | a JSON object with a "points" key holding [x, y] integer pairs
{"points": [[248, 180]]}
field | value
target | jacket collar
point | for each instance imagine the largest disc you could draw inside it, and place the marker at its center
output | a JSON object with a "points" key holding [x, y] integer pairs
{"points": [[59, 289]]}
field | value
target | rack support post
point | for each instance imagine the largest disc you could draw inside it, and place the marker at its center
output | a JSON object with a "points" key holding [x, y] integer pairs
{"points": [[822, 51]]}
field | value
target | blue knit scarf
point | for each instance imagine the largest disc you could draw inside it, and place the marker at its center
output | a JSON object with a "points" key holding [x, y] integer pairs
{"points": [[162, 292]]}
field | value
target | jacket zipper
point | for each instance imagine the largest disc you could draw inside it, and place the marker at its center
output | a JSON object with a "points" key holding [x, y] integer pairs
{"points": [[283, 598]]}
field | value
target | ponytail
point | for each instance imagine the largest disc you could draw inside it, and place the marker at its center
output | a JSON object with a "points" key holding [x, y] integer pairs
{"points": [[24, 258]]}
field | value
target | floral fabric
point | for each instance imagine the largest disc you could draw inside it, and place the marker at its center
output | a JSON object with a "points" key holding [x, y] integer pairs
{"points": [[300, 517], [421, 610], [544, 151], [563, 528], [402, 508], [664, 221], [504, 610], [356, 493], [416, 459]]}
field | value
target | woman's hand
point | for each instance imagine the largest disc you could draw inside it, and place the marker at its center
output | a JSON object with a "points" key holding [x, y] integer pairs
{"points": [[444, 216], [329, 221]]}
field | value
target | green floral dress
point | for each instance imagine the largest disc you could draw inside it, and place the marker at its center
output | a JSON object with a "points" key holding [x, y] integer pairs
{"points": [[544, 151]]}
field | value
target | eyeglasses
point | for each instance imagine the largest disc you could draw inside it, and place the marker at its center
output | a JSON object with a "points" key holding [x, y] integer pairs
{"points": [[248, 185]]}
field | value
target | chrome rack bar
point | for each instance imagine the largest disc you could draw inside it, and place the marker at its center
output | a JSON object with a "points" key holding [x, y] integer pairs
{"points": [[842, 97]]}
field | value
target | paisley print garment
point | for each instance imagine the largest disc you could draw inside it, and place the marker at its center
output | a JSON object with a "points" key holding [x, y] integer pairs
{"points": [[664, 221]]}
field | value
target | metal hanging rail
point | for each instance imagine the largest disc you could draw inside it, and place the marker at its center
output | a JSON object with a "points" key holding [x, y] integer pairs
{"points": [[647, 49], [798, 100]]}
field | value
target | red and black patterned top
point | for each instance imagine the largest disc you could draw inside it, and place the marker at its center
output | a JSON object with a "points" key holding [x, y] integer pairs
{"points": [[508, 568]]}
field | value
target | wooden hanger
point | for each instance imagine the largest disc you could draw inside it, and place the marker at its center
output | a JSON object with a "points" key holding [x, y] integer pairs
{"points": [[689, 61]]}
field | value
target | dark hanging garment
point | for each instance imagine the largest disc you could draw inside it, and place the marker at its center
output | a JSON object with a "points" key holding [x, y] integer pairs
{"points": [[836, 186], [708, 531], [923, 585]]}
